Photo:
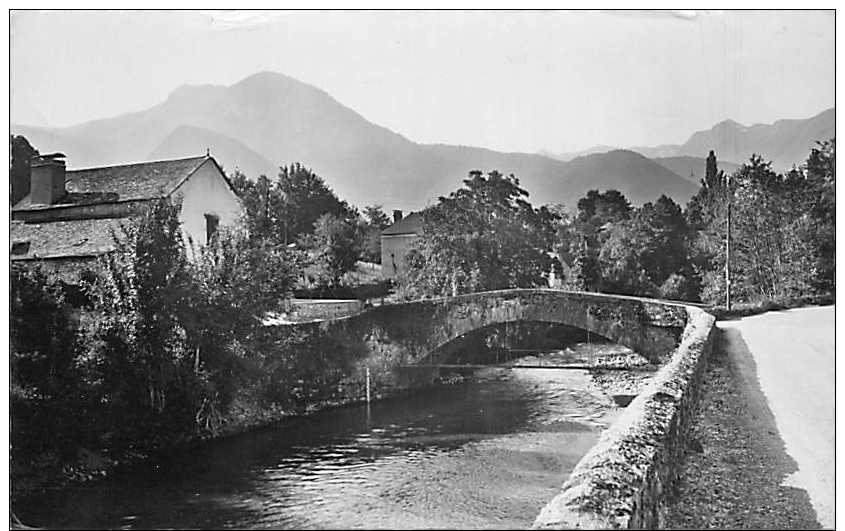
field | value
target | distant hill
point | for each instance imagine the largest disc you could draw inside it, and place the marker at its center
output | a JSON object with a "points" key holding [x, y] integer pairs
{"points": [[186, 139], [269, 119], [567, 156], [635, 175], [661, 151], [692, 167]]}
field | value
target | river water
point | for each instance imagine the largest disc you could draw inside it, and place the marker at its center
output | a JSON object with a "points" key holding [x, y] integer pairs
{"points": [[489, 453]]}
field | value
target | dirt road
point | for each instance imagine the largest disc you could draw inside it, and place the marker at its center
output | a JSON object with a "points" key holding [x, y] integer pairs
{"points": [[793, 352]]}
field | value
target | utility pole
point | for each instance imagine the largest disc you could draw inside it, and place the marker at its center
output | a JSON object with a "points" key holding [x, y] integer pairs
{"points": [[728, 247]]}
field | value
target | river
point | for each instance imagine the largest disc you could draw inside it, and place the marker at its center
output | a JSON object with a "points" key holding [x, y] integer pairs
{"points": [[488, 453]]}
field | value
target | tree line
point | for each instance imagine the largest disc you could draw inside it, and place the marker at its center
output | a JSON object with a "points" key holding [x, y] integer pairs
{"points": [[150, 346], [486, 235]]}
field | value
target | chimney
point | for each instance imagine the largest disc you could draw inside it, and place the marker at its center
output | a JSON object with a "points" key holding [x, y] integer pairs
{"points": [[397, 215], [48, 179]]}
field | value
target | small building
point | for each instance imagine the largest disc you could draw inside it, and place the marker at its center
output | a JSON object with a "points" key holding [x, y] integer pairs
{"points": [[560, 272], [396, 240], [70, 217]]}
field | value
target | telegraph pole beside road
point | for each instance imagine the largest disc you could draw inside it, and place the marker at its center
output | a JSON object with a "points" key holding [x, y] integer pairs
{"points": [[728, 247]]}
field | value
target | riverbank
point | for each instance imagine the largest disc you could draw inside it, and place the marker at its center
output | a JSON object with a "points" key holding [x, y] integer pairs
{"points": [[487, 453], [734, 471], [48, 473]]}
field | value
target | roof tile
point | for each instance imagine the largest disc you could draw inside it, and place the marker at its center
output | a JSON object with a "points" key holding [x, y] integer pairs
{"points": [[63, 239], [128, 182], [410, 224]]}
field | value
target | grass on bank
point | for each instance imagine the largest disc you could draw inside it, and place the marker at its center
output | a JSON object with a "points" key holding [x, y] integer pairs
{"points": [[745, 309]]}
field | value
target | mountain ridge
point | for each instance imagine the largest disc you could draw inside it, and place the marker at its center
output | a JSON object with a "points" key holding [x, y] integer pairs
{"points": [[784, 142], [270, 119]]}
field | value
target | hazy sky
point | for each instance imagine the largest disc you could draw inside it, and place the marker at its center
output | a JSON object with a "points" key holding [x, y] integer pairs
{"points": [[511, 81]]}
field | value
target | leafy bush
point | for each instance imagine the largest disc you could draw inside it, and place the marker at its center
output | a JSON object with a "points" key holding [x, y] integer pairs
{"points": [[162, 347], [138, 360], [46, 410]]}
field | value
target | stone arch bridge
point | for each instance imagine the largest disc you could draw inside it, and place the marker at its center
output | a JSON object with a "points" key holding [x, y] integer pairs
{"points": [[621, 481], [408, 333]]}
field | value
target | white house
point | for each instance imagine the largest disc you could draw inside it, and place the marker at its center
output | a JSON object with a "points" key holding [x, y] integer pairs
{"points": [[69, 217]]}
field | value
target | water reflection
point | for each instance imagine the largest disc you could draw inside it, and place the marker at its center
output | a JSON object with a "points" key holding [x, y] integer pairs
{"points": [[486, 454]]}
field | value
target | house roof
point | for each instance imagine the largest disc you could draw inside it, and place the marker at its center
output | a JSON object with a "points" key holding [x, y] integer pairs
{"points": [[410, 224], [64, 239], [127, 182]]}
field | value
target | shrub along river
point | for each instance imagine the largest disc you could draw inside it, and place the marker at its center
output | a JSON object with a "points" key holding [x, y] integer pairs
{"points": [[487, 453]]}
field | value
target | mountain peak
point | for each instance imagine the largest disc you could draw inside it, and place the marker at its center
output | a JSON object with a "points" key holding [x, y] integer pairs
{"points": [[728, 124], [266, 76], [269, 80]]}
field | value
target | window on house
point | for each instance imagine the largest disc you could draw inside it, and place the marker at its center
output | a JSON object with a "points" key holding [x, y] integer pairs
{"points": [[211, 223]]}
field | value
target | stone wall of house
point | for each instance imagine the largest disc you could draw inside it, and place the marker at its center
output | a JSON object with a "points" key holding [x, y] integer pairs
{"points": [[622, 482], [393, 250]]}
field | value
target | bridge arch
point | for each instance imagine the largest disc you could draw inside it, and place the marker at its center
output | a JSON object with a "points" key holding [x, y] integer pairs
{"points": [[486, 344], [409, 332]]}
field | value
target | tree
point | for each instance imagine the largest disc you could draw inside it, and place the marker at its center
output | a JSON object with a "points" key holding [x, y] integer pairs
{"points": [[667, 239], [375, 217], [46, 411], [236, 281], [174, 341], [287, 208], [597, 213], [484, 236], [648, 254], [373, 221], [707, 204], [711, 169], [19, 167], [599, 208], [821, 205], [772, 257], [706, 215], [138, 354], [775, 252], [620, 261], [334, 247], [305, 198]]}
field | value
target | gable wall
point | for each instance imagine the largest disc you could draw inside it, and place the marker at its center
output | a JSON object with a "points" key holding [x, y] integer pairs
{"points": [[206, 192], [394, 247]]}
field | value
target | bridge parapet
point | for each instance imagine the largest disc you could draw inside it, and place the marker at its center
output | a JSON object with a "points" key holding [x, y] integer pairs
{"points": [[624, 480]]}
